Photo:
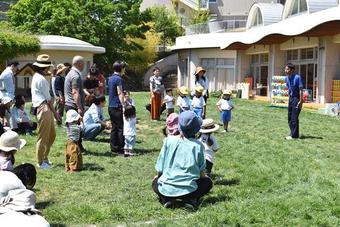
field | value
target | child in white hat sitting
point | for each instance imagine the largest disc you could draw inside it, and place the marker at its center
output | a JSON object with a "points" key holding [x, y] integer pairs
{"points": [[9, 145], [209, 142], [73, 157]]}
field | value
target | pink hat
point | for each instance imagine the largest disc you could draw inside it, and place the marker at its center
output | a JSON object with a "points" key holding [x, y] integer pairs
{"points": [[172, 123]]}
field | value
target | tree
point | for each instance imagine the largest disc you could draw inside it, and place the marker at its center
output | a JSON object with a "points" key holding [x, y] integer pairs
{"points": [[107, 23], [13, 44], [166, 23], [200, 16]]}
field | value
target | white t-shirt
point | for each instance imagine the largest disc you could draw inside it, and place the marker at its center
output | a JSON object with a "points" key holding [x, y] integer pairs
{"points": [[169, 102], [39, 90], [198, 102], [130, 126], [183, 102], [225, 104], [209, 151]]}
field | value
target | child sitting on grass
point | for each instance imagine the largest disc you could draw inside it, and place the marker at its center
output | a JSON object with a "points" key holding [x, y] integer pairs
{"points": [[198, 103], [9, 145], [129, 130], [73, 156], [171, 128], [225, 105], [169, 101], [24, 123], [183, 101], [209, 142]]}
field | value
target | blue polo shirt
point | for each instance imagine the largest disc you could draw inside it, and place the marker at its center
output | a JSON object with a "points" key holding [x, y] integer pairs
{"points": [[114, 81], [294, 84]]}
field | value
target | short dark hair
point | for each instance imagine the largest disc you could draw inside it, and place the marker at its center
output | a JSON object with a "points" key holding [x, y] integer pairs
{"points": [[15, 63], [130, 111], [290, 65], [19, 101], [125, 92], [118, 66], [27, 174], [168, 90], [93, 71], [156, 68], [98, 99]]}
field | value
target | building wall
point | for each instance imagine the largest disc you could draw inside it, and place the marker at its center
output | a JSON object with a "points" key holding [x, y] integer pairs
{"points": [[58, 57]]}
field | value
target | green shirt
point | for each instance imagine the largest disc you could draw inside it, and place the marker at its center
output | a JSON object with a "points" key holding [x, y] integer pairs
{"points": [[180, 162]]}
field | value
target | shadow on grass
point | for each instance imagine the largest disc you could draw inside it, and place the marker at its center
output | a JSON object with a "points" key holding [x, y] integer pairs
{"points": [[302, 137], [210, 200], [44, 205], [227, 182], [100, 154], [92, 167], [100, 140], [145, 151], [57, 225]]}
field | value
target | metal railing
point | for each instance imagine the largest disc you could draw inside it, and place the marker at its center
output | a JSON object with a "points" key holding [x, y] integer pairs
{"points": [[216, 26]]}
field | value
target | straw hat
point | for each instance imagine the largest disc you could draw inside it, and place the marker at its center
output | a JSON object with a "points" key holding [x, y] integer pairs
{"points": [[72, 116], [209, 126], [43, 61], [61, 68], [10, 141], [199, 89], [227, 92], [183, 90], [199, 69]]}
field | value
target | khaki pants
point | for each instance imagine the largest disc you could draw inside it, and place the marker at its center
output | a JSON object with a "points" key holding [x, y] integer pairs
{"points": [[46, 132], [73, 157]]}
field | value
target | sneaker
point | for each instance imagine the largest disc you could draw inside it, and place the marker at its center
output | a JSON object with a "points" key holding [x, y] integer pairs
{"points": [[44, 165], [48, 162], [190, 204], [224, 131], [290, 138], [168, 204]]}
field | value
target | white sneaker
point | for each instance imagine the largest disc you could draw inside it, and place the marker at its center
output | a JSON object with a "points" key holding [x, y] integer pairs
{"points": [[224, 131], [44, 165], [289, 138]]}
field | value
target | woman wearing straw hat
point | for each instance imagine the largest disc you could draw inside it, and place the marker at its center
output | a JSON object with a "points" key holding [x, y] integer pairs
{"points": [[201, 80], [156, 89], [42, 101], [59, 90]]}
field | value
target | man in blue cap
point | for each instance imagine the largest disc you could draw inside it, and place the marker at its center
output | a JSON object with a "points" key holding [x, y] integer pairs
{"points": [[295, 86], [181, 166]]}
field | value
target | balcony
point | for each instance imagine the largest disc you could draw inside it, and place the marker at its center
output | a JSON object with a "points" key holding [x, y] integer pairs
{"points": [[216, 27], [194, 4]]}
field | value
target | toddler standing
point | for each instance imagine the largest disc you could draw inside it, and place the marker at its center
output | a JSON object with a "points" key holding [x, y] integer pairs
{"points": [[183, 101], [198, 103], [128, 101], [130, 121], [225, 105], [209, 142], [169, 101], [73, 156], [9, 145]]}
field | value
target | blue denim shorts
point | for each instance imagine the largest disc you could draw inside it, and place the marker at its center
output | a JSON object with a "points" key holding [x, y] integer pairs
{"points": [[225, 116], [130, 142]]}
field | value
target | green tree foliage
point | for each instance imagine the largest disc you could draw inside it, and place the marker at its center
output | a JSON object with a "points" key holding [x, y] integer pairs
{"points": [[107, 23], [13, 44], [166, 23], [200, 15]]}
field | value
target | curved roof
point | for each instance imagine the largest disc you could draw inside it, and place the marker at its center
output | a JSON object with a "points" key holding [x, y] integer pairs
{"points": [[312, 6], [270, 13], [55, 42], [290, 27]]}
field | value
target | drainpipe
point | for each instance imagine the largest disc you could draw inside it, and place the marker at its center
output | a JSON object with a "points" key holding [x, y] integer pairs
{"points": [[321, 71]]}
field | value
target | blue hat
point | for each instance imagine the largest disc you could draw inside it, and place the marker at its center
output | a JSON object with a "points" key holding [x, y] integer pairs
{"points": [[189, 123]]}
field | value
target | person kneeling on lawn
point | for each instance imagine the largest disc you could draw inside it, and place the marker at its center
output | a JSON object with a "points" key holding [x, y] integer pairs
{"points": [[181, 166], [94, 120]]}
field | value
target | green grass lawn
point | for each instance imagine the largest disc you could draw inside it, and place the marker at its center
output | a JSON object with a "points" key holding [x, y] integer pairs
{"points": [[260, 179]]}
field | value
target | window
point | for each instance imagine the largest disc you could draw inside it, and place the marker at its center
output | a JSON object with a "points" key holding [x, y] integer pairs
{"points": [[292, 55], [298, 7], [259, 71]]}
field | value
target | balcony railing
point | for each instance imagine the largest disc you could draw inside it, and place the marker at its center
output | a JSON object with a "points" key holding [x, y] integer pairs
{"points": [[216, 26]]}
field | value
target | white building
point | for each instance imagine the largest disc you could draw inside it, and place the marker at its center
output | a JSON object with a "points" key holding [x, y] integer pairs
{"points": [[304, 32]]}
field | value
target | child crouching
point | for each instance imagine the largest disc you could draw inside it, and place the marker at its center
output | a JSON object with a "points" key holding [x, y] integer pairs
{"points": [[73, 156], [209, 142]]}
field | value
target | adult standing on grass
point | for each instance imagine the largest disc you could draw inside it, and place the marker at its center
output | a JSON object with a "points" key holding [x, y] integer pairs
{"points": [[42, 101], [295, 86], [156, 94], [7, 80], [116, 107], [181, 166], [59, 90], [73, 87]]}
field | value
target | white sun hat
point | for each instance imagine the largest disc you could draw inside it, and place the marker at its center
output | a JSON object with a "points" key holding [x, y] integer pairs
{"points": [[72, 116], [208, 126], [43, 61], [10, 141]]}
